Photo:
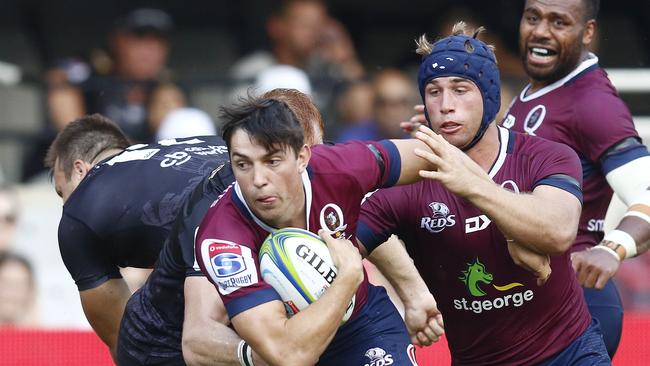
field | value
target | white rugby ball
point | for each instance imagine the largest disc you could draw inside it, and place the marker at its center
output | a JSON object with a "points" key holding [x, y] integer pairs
{"points": [[298, 265]]}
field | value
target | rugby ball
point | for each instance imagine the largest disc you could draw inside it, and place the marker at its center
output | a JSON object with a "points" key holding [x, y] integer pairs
{"points": [[298, 265]]}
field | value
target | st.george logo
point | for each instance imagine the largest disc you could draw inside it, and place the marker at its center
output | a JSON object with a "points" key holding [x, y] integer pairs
{"points": [[475, 279]]}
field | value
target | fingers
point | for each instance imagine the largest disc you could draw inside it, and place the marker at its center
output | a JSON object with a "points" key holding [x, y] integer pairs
{"points": [[432, 158], [575, 261], [327, 237], [418, 108], [544, 273], [435, 142]]}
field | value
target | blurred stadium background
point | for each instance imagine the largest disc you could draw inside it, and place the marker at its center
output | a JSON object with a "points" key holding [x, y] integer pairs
{"points": [[207, 39]]}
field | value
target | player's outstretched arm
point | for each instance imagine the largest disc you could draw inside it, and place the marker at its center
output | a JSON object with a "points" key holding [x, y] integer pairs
{"points": [[104, 306], [421, 315], [301, 339], [596, 265], [207, 339], [545, 221]]}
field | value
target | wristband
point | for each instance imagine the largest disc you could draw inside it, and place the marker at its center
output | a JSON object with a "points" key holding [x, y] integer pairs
{"points": [[624, 239], [244, 354], [609, 250]]}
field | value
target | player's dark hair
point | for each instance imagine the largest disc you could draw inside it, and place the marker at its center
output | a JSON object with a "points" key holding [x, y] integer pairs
{"points": [[591, 8], [84, 139], [269, 122]]}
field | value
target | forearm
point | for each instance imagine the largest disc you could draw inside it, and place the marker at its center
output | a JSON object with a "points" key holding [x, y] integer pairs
{"points": [[394, 263], [104, 307], [301, 339], [633, 232], [410, 163], [544, 225], [210, 343]]}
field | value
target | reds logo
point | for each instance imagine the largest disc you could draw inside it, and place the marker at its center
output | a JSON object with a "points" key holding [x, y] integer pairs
{"points": [[332, 221], [440, 218]]}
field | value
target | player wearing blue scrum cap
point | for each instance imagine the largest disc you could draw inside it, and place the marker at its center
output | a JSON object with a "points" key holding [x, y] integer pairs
{"points": [[496, 208]]}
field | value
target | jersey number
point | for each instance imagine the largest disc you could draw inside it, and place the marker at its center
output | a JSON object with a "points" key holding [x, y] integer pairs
{"points": [[176, 158]]}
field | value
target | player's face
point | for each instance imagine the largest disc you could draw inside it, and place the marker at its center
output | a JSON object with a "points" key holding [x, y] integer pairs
{"points": [[270, 181], [65, 185], [455, 108], [553, 36]]}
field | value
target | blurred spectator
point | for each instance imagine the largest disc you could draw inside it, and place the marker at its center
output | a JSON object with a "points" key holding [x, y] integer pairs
{"points": [[120, 86], [354, 105], [17, 291], [394, 97], [294, 29], [185, 122], [335, 56], [164, 99], [282, 77], [8, 217]]}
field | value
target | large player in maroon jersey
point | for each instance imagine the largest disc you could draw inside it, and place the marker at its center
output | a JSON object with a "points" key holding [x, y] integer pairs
{"points": [[495, 195], [571, 100]]}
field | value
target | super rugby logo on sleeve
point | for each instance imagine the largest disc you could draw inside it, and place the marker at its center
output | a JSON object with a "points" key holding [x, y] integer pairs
{"points": [[231, 266]]}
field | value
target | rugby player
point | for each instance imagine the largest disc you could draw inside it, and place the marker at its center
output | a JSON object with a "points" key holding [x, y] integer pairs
{"points": [[495, 195], [119, 204], [571, 100], [282, 182], [177, 316]]}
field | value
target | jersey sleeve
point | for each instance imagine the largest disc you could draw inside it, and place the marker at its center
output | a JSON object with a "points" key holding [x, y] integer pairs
{"points": [[381, 213], [373, 164], [602, 120], [83, 254], [226, 253], [557, 165]]}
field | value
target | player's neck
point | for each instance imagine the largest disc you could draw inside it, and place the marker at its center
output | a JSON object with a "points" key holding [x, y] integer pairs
{"points": [[105, 154], [486, 151]]}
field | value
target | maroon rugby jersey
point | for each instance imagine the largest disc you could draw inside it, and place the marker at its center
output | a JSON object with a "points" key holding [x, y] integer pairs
{"points": [[335, 181], [583, 111], [494, 311]]}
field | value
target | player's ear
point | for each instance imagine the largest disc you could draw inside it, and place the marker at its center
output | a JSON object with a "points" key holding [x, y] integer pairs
{"points": [[303, 157], [589, 33], [80, 168]]}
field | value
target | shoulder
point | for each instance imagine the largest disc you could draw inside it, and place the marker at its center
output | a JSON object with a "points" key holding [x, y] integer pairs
{"points": [[224, 220], [596, 98], [542, 151]]}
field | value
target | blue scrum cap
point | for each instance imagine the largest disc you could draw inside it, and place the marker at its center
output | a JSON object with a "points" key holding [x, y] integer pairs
{"points": [[471, 59]]}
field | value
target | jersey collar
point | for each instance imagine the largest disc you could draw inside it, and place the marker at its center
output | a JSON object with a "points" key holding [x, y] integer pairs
{"points": [[241, 203], [589, 62], [504, 141]]}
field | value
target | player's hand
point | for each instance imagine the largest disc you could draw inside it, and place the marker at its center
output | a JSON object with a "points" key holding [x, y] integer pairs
{"points": [[423, 320], [594, 267], [538, 264], [418, 119], [345, 256], [454, 169]]}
